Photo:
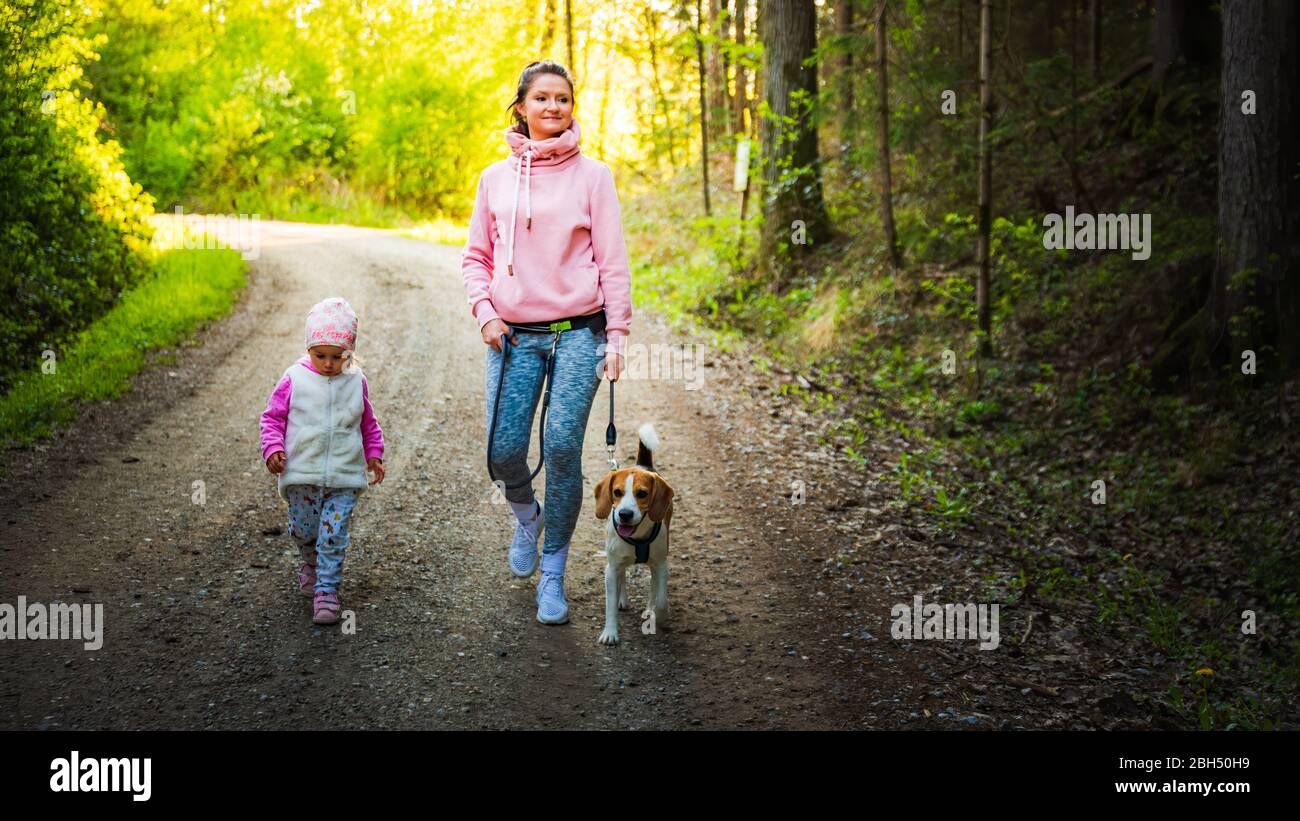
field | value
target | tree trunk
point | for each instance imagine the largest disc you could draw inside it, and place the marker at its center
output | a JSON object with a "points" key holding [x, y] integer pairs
{"points": [[604, 94], [704, 104], [661, 102], [1185, 35], [794, 214], [568, 35], [1038, 28], [882, 110], [759, 92], [1094, 40], [719, 94], [548, 31], [741, 99], [844, 71], [961, 27], [1255, 299], [986, 182]]}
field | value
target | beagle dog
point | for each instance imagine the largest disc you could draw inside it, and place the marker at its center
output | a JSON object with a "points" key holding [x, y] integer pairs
{"points": [[637, 505]]}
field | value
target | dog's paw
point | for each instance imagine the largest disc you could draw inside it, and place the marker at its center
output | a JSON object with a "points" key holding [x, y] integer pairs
{"points": [[608, 636], [623, 603]]}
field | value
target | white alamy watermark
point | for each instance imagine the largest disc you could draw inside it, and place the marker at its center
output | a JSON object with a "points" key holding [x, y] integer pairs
{"points": [[676, 362], [1100, 232], [946, 622], [241, 232], [57, 621], [77, 774]]}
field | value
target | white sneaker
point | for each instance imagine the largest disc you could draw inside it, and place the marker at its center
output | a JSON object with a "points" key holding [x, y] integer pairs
{"points": [[523, 549], [551, 606]]}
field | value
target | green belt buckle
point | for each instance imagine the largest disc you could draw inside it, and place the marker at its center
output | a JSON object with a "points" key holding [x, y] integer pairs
{"points": [[561, 326]]}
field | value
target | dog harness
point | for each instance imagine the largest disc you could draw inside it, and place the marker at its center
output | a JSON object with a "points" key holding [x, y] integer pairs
{"points": [[642, 545]]}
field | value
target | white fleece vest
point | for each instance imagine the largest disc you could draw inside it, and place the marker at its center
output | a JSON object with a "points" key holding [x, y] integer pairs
{"points": [[322, 439]]}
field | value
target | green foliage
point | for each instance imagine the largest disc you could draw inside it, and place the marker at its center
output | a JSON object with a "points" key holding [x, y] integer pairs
{"points": [[182, 290], [72, 225], [359, 112]]}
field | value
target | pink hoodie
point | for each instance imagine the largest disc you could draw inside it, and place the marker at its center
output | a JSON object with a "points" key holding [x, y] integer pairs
{"points": [[562, 256]]}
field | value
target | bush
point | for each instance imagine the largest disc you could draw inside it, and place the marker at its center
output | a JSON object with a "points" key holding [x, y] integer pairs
{"points": [[74, 225]]}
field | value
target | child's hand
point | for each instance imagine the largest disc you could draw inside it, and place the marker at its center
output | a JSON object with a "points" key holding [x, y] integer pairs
{"points": [[375, 466], [275, 462]]}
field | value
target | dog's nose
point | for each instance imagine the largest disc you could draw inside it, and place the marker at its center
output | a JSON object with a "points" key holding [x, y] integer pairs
{"points": [[625, 515]]}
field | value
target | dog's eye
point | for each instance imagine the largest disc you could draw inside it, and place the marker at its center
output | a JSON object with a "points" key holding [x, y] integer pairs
{"points": [[641, 494], [618, 493]]}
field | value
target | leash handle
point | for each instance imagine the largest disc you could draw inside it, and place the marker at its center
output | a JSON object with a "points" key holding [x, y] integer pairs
{"points": [[611, 433]]}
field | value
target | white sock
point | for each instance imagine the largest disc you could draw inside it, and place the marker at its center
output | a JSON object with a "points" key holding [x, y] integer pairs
{"points": [[526, 512], [554, 562]]}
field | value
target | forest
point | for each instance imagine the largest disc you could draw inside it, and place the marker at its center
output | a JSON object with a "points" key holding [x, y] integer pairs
{"points": [[1043, 255]]}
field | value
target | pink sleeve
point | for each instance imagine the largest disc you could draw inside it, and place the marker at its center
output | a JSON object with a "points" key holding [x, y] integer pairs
{"points": [[371, 435], [477, 259], [611, 259], [276, 417]]}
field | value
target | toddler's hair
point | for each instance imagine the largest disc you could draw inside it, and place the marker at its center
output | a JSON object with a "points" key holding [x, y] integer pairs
{"points": [[351, 362]]}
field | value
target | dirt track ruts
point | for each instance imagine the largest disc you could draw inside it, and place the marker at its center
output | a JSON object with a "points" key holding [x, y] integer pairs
{"points": [[205, 629]]}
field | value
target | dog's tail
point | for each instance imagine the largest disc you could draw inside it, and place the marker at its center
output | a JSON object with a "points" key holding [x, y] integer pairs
{"points": [[649, 443]]}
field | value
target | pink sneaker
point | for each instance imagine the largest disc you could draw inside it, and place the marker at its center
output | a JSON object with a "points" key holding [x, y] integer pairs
{"points": [[307, 579], [327, 608]]}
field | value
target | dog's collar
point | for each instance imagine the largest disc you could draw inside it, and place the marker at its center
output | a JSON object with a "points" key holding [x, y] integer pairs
{"points": [[642, 545]]}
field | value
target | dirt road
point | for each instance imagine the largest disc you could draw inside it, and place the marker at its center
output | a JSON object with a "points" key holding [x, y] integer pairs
{"points": [[785, 561], [203, 626]]}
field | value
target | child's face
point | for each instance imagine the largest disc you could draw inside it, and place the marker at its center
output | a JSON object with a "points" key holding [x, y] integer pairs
{"points": [[328, 359]]}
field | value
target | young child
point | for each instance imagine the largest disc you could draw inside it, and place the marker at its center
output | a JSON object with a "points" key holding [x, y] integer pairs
{"points": [[320, 436]]}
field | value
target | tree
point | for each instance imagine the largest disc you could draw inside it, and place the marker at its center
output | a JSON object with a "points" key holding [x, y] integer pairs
{"points": [[882, 94], [1255, 299], [568, 35], [794, 214], [704, 105], [548, 31], [1185, 36], [741, 99], [844, 69], [719, 93], [1094, 40], [986, 182]]}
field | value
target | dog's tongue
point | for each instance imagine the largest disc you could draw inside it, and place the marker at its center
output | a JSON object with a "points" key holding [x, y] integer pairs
{"points": [[625, 530]]}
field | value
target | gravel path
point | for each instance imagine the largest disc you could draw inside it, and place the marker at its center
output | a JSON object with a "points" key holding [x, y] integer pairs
{"points": [[204, 626]]}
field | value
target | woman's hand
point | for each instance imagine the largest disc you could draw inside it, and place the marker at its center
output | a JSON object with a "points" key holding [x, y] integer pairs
{"points": [[613, 365], [492, 331], [275, 462]]}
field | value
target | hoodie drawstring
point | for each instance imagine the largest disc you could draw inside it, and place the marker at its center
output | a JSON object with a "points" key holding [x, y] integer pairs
{"points": [[514, 208]]}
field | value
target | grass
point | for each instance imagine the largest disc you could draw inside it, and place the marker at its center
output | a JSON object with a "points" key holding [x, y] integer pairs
{"points": [[1030, 431], [185, 289]]}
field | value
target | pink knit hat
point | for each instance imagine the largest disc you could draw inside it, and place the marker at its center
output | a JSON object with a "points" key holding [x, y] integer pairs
{"points": [[332, 322]]}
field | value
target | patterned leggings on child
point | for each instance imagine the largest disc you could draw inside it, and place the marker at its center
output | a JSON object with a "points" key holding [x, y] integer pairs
{"points": [[318, 524]]}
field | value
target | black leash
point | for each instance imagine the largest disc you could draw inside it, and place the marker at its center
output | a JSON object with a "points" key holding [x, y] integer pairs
{"points": [[611, 434]]}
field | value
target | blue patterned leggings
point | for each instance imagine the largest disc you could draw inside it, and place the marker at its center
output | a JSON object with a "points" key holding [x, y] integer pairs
{"points": [[318, 523], [579, 365]]}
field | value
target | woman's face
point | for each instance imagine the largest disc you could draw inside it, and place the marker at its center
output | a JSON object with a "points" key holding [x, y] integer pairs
{"points": [[547, 107]]}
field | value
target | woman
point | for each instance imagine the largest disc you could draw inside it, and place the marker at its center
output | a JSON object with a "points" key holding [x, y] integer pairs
{"points": [[546, 245]]}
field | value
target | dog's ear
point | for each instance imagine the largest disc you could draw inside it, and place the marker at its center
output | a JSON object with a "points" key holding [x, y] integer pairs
{"points": [[659, 499], [604, 496]]}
